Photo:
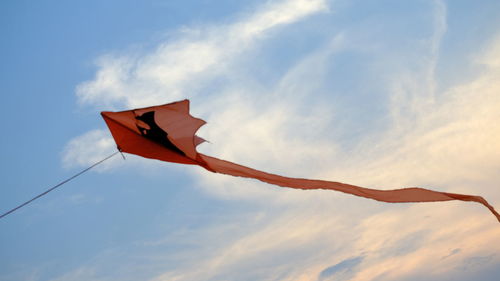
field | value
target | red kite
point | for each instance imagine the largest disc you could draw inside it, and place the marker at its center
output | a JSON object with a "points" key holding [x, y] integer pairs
{"points": [[167, 133]]}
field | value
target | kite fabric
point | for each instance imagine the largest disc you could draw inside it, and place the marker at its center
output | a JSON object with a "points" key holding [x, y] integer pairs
{"points": [[167, 133]]}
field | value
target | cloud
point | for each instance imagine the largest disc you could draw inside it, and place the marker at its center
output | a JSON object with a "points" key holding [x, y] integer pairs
{"points": [[426, 136], [340, 271], [88, 149], [181, 67]]}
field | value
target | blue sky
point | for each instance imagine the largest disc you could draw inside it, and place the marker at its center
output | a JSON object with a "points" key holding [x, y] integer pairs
{"points": [[382, 94]]}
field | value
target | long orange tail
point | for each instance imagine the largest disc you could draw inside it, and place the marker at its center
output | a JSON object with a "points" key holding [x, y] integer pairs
{"points": [[403, 195]]}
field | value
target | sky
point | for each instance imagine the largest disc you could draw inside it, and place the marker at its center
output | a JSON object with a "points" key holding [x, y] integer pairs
{"points": [[382, 94]]}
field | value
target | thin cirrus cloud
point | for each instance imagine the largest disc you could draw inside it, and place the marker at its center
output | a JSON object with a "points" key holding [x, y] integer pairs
{"points": [[179, 67], [441, 137], [198, 54]]}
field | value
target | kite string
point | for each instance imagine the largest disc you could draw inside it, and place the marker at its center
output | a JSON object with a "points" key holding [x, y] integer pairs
{"points": [[58, 185]]}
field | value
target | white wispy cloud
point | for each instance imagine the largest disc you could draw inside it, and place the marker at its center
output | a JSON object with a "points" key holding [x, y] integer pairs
{"points": [[89, 148], [180, 67]]}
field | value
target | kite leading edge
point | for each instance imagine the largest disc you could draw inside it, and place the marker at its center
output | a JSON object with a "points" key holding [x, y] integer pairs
{"points": [[167, 133]]}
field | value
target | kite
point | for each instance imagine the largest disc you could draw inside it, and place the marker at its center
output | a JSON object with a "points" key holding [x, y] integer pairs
{"points": [[167, 133]]}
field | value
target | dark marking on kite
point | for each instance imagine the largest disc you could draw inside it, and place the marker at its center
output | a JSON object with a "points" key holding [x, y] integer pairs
{"points": [[154, 132]]}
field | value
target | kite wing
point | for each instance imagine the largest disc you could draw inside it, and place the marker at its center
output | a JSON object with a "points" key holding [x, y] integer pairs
{"points": [[167, 132]]}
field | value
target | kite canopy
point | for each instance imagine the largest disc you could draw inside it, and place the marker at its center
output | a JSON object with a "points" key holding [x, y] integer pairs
{"points": [[144, 132], [167, 133]]}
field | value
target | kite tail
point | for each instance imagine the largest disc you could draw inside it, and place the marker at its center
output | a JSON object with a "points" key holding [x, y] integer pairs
{"points": [[474, 198], [403, 195]]}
